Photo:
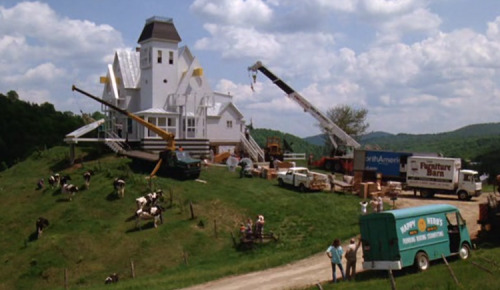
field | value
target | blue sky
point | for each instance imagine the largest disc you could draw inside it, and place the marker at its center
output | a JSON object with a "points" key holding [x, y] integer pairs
{"points": [[418, 66]]}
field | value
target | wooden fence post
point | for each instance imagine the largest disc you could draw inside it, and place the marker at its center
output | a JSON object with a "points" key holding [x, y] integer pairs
{"points": [[132, 268], [393, 282], [191, 209], [185, 257], [451, 270], [215, 228], [65, 278]]}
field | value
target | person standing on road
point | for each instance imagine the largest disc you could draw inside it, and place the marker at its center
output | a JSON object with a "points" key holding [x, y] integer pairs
{"points": [[350, 256], [334, 252]]}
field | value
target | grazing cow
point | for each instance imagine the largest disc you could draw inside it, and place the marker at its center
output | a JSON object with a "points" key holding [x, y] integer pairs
{"points": [[119, 185], [149, 199], [41, 223], [113, 278], [86, 178], [154, 213], [64, 179], [54, 180], [70, 189]]}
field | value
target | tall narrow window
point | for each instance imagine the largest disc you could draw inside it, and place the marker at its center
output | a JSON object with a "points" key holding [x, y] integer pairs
{"points": [[159, 56], [171, 57]]}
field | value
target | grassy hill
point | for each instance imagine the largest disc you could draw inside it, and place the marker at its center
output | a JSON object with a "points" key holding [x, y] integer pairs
{"points": [[90, 236]]}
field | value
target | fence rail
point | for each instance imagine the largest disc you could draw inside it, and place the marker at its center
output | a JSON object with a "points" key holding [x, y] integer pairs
{"points": [[294, 156]]}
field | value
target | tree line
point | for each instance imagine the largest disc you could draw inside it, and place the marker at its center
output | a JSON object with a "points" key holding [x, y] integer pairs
{"points": [[27, 127]]}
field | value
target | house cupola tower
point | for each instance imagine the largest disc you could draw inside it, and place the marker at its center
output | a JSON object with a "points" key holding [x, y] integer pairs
{"points": [[159, 43]]}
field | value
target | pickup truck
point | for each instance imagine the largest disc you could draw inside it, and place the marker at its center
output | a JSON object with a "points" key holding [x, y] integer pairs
{"points": [[303, 179]]}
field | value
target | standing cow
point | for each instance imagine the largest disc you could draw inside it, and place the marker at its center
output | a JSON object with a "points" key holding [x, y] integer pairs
{"points": [[86, 178], [41, 224], [119, 186], [154, 213], [70, 189], [54, 180]]}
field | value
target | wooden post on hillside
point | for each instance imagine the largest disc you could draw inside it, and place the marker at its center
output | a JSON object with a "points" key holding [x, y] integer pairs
{"points": [[171, 195], [215, 228], [65, 278], [451, 270], [234, 240], [132, 268], [185, 257], [191, 209], [393, 282]]}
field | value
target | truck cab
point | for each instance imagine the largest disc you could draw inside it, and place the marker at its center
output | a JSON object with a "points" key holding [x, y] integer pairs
{"points": [[303, 179], [469, 184], [181, 164]]}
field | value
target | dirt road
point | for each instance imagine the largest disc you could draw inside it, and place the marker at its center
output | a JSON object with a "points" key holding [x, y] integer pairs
{"points": [[317, 268]]}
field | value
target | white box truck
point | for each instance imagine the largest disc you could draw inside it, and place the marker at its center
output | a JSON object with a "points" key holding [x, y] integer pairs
{"points": [[431, 175]]}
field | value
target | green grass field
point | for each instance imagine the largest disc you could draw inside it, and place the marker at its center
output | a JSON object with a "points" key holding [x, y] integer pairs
{"points": [[90, 237]]}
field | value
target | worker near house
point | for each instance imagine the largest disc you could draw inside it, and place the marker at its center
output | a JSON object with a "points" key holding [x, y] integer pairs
{"points": [[350, 256], [310, 161], [331, 178], [249, 229], [364, 205], [243, 165], [334, 252], [247, 133], [259, 226], [377, 203]]}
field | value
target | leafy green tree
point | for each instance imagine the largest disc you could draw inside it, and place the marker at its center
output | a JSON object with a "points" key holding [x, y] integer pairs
{"points": [[351, 120], [12, 95]]}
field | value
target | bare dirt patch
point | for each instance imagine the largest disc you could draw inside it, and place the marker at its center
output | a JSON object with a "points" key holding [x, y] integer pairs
{"points": [[317, 268]]}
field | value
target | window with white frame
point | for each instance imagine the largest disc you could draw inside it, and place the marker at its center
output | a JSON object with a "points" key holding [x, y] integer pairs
{"points": [[229, 124], [190, 127]]}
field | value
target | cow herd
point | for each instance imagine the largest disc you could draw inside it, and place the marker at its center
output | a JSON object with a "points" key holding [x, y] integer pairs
{"points": [[147, 206]]}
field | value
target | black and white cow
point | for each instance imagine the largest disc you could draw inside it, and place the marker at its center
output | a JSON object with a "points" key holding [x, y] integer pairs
{"points": [[119, 186], [70, 189], [113, 278], [149, 199], [86, 178], [64, 179], [41, 224], [154, 213], [54, 180]]}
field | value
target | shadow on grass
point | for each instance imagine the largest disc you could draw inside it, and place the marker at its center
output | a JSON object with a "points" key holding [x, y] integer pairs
{"points": [[147, 226], [63, 200], [112, 196], [33, 237], [56, 192]]}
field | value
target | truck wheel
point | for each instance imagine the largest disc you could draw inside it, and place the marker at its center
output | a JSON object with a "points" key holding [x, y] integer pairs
{"points": [[464, 251], [425, 193], [421, 261], [280, 182], [302, 188], [463, 195], [328, 165]]}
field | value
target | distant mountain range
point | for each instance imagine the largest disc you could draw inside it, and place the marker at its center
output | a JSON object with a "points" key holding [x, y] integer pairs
{"points": [[466, 142]]}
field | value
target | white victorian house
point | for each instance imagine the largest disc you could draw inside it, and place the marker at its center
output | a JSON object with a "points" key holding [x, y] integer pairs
{"points": [[165, 85]]}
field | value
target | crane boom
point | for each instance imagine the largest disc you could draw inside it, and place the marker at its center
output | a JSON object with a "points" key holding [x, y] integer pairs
{"points": [[331, 128], [167, 136]]}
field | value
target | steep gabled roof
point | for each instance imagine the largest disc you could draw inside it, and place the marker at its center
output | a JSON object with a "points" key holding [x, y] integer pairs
{"points": [[159, 28], [219, 108], [129, 68]]}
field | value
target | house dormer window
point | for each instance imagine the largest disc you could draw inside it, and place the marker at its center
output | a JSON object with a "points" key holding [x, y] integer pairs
{"points": [[159, 56], [229, 124], [170, 57]]}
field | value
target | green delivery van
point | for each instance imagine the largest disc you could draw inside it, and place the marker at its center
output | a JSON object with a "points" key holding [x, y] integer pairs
{"points": [[399, 238]]}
